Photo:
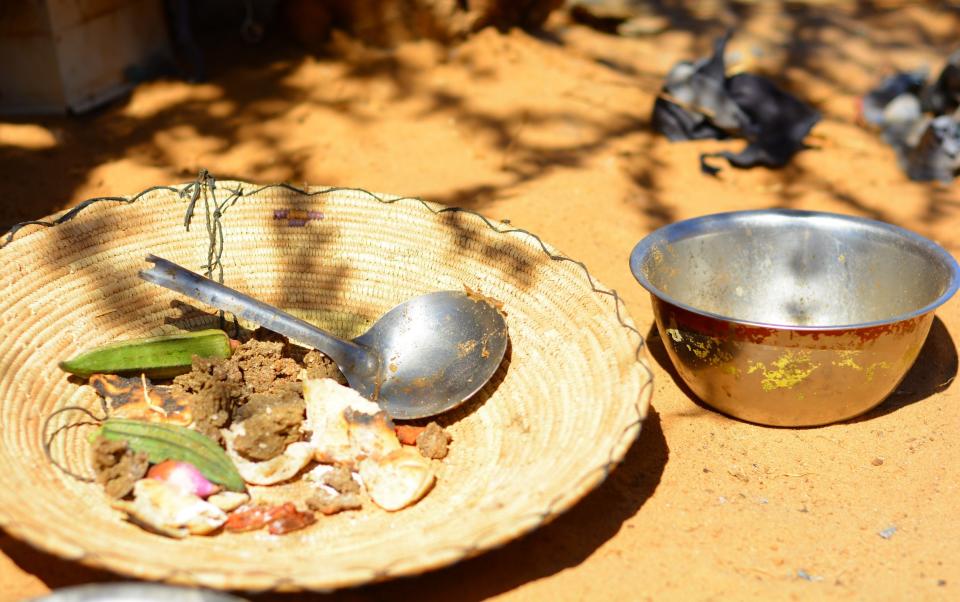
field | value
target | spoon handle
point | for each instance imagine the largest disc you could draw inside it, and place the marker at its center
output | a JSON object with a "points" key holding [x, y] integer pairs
{"points": [[349, 356]]}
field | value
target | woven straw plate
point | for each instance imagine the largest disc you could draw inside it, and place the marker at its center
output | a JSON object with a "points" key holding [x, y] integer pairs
{"points": [[560, 413]]}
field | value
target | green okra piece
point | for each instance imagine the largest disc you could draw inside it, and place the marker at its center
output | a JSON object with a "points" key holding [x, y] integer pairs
{"points": [[173, 442], [163, 356]]}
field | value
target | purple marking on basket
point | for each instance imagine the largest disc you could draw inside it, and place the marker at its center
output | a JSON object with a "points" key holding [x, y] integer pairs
{"points": [[888, 532], [297, 217]]}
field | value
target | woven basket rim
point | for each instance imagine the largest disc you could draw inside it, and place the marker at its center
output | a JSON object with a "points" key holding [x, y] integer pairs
{"points": [[590, 478]]}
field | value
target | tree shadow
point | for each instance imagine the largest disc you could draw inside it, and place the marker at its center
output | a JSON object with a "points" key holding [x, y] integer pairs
{"points": [[53, 571], [649, 196], [144, 136], [254, 84], [809, 31], [807, 54], [933, 372], [564, 543], [250, 86]]}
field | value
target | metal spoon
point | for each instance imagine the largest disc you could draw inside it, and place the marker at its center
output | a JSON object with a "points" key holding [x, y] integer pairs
{"points": [[422, 358]]}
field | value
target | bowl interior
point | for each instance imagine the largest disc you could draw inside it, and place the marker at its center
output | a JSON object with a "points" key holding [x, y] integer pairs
{"points": [[794, 268]]}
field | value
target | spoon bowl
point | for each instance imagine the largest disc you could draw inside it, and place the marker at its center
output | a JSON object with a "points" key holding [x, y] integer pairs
{"points": [[438, 350], [422, 358]]}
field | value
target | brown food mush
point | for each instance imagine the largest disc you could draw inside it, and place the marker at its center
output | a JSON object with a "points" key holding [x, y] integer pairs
{"points": [[314, 362], [327, 503], [341, 479], [221, 386], [478, 296], [217, 388], [319, 365], [270, 423], [433, 442], [287, 349], [118, 468], [264, 368]]}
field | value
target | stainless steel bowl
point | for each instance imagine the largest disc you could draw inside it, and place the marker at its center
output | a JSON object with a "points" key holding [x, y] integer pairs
{"points": [[792, 318]]}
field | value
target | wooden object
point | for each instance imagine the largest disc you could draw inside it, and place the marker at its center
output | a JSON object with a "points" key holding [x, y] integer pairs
{"points": [[71, 55]]}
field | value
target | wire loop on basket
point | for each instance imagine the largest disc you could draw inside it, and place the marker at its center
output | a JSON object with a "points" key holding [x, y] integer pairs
{"points": [[48, 441]]}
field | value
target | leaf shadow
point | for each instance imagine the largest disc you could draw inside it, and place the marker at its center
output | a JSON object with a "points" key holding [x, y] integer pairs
{"points": [[564, 543]]}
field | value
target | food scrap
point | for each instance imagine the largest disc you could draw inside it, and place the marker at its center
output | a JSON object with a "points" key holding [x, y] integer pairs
{"points": [[183, 476], [371, 435], [328, 504], [156, 357], [326, 405], [319, 366], [216, 388], [408, 433], [291, 521], [139, 399], [337, 489], [228, 501], [275, 470], [433, 442], [170, 511], [117, 466], [270, 423], [280, 519], [341, 480], [398, 479], [213, 447], [249, 518]]}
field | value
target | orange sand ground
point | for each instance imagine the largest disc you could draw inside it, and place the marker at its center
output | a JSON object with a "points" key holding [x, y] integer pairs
{"points": [[552, 133]]}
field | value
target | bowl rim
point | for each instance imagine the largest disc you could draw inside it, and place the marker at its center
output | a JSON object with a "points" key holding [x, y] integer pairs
{"points": [[681, 229]]}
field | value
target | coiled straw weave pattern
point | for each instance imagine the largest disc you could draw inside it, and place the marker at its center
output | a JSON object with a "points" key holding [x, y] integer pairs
{"points": [[560, 413]]}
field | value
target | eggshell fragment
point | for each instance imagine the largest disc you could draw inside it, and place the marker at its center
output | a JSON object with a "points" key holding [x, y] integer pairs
{"points": [[170, 511], [272, 471], [398, 479]]}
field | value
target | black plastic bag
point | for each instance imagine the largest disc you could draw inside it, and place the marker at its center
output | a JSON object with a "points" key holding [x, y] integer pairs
{"points": [[943, 96], [937, 154], [920, 120], [698, 101]]}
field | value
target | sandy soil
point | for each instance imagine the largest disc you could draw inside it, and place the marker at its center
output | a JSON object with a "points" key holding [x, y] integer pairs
{"points": [[552, 132]]}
